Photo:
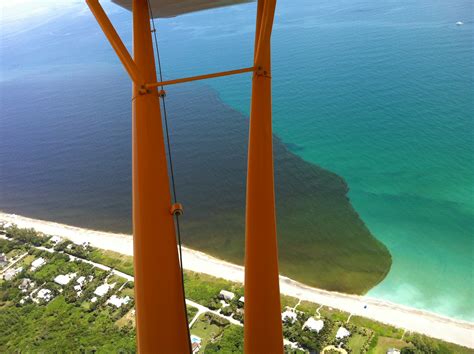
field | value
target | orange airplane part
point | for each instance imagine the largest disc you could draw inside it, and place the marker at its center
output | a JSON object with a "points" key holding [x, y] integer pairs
{"points": [[160, 305], [159, 295], [263, 328]]}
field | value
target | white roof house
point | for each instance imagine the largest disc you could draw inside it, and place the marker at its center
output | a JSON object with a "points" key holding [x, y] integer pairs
{"points": [[11, 273], [55, 239], [44, 294], [226, 295], [342, 333], [64, 279], [37, 263], [103, 289], [393, 351], [81, 280], [118, 301], [288, 316], [25, 284], [242, 299], [313, 324]]}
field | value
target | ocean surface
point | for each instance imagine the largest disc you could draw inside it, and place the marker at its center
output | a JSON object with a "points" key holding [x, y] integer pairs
{"points": [[380, 93]]}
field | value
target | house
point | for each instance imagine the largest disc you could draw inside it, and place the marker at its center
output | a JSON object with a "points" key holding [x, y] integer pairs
{"points": [[11, 273], [242, 300], [118, 301], [81, 280], [55, 239], [25, 284], [64, 279], [314, 325], [393, 351], [44, 294], [3, 260], [226, 295], [37, 263], [342, 333], [103, 289], [195, 343], [195, 347], [288, 316]]}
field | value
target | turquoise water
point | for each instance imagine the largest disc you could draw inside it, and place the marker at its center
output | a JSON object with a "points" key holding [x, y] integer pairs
{"points": [[380, 93]]}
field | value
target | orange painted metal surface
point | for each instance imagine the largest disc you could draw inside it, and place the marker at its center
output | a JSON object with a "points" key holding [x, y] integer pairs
{"points": [[115, 40], [200, 77], [263, 327], [160, 308]]}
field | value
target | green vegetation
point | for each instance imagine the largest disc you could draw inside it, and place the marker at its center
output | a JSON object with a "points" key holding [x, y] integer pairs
{"points": [[287, 301], [112, 259], [204, 289], [377, 327], [83, 322], [230, 342], [33, 328], [382, 344], [191, 311]]}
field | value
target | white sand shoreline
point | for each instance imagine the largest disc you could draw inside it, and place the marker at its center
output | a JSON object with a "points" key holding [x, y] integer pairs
{"points": [[431, 324]]}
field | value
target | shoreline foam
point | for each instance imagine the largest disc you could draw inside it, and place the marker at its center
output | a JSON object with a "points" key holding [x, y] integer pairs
{"points": [[411, 319]]}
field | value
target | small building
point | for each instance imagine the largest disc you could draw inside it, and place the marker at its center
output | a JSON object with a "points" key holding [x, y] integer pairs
{"points": [[393, 351], [288, 316], [44, 294], [55, 239], [226, 295], [94, 299], [103, 289], [195, 347], [242, 300], [3, 260], [25, 285], [64, 279], [314, 325], [195, 343], [11, 273], [118, 301], [37, 263], [342, 333], [81, 280]]}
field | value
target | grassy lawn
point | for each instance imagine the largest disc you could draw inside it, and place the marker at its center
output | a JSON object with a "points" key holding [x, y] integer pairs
{"points": [[25, 262], [334, 314], [379, 328], [206, 331], [308, 307], [201, 287], [128, 292], [384, 343], [357, 342], [112, 259], [288, 301], [128, 318]]}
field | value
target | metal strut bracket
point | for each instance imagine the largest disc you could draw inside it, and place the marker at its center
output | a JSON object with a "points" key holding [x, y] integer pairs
{"points": [[176, 209]]}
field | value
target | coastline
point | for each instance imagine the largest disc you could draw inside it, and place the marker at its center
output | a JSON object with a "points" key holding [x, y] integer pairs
{"points": [[411, 319]]}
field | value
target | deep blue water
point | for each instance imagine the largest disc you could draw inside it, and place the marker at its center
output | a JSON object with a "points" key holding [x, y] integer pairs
{"points": [[380, 93]]}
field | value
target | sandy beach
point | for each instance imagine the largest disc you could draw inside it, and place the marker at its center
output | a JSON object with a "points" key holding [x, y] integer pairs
{"points": [[431, 324]]}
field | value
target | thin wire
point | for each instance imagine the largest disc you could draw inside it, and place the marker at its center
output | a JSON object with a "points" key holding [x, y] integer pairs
{"points": [[173, 184]]}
